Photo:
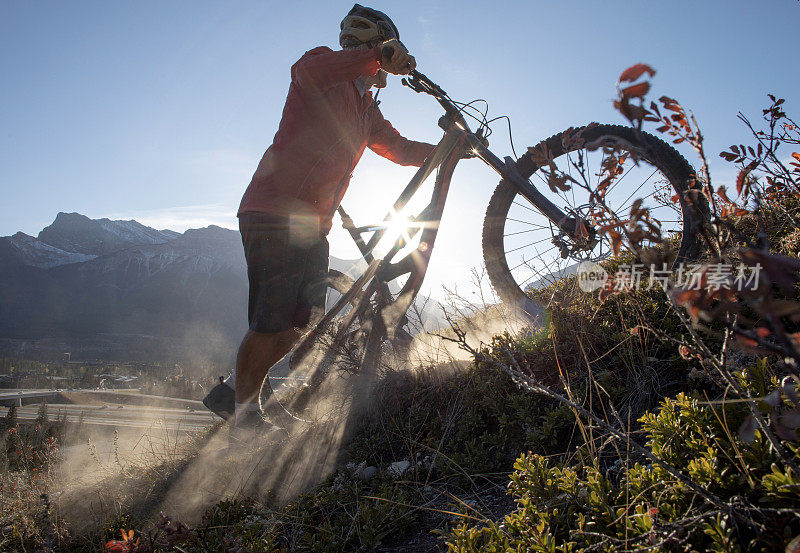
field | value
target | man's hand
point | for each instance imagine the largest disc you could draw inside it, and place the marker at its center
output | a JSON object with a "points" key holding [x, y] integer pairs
{"points": [[400, 62]]}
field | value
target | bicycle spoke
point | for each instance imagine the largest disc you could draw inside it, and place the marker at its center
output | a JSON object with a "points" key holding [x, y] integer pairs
{"points": [[527, 223], [525, 207], [535, 259], [534, 274], [638, 188], [521, 232], [620, 179], [541, 178], [540, 274], [589, 174], [531, 259], [528, 245], [572, 185], [653, 193], [572, 189]]}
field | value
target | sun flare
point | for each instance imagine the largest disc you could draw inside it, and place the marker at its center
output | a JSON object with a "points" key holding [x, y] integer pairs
{"points": [[397, 226]]}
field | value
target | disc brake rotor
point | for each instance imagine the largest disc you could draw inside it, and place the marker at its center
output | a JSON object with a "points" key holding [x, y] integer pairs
{"points": [[580, 243]]}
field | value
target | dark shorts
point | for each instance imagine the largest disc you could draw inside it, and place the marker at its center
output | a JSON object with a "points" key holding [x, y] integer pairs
{"points": [[286, 267]]}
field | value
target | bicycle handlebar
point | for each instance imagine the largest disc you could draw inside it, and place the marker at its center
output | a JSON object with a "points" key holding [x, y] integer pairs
{"points": [[417, 78], [418, 82], [388, 52]]}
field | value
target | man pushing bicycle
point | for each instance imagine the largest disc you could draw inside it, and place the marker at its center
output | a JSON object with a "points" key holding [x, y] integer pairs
{"points": [[285, 215]]}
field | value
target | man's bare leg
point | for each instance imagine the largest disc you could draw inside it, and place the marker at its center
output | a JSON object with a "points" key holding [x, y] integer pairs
{"points": [[257, 353]]}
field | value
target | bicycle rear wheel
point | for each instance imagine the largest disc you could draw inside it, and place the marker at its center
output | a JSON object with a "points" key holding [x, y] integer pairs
{"points": [[523, 250], [283, 405], [353, 342]]}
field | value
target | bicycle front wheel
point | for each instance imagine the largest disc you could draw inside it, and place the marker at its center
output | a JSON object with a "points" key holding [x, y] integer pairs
{"points": [[303, 369], [524, 251]]}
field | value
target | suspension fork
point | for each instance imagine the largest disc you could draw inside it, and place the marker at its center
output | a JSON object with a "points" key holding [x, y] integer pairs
{"points": [[507, 169]]}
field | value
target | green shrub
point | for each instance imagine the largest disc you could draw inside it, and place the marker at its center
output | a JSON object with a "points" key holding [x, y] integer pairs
{"points": [[576, 507]]}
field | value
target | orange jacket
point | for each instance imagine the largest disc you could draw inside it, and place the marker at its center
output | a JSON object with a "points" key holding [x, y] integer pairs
{"points": [[326, 125]]}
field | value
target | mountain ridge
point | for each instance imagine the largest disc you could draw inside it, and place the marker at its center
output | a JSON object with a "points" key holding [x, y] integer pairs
{"points": [[78, 233], [91, 282]]}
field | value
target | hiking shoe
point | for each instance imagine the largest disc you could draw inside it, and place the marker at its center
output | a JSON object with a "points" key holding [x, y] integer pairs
{"points": [[250, 429], [252, 420], [221, 400]]}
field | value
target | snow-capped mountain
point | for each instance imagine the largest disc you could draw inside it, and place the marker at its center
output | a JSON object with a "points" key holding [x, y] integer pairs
{"points": [[126, 288], [31, 251], [74, 232]]}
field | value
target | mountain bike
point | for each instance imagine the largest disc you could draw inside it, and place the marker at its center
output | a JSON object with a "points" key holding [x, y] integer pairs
{"points": [[541, 222]]}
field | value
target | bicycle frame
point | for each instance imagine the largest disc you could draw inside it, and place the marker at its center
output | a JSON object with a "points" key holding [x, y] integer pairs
{"points": [[457, 140]]}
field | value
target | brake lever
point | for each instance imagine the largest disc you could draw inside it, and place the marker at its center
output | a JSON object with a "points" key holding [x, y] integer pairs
{"points": [[418, 82], [415, 86]]}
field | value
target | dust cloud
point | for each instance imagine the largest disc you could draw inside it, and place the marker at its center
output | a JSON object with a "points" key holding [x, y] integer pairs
{"points": [[163, 470]]}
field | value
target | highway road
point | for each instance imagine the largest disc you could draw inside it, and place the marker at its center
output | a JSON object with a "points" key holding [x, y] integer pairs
{"points": [[128, 416], [9, 395], [118, 408], [188, 418], [12, 394]]}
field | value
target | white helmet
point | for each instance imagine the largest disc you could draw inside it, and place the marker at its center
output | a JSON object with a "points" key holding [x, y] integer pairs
{"points": [[366, 26]]}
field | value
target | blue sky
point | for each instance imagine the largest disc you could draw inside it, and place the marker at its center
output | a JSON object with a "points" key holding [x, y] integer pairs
{"points": [[160, 111]]}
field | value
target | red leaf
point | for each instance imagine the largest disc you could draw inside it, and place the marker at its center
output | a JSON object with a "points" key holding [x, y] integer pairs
{"points": [[670, 104], [616, 241], [685, 352], [721, 193], [636, 90], [740, 180], [746, 342], [635, 71], [607, 291]]}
